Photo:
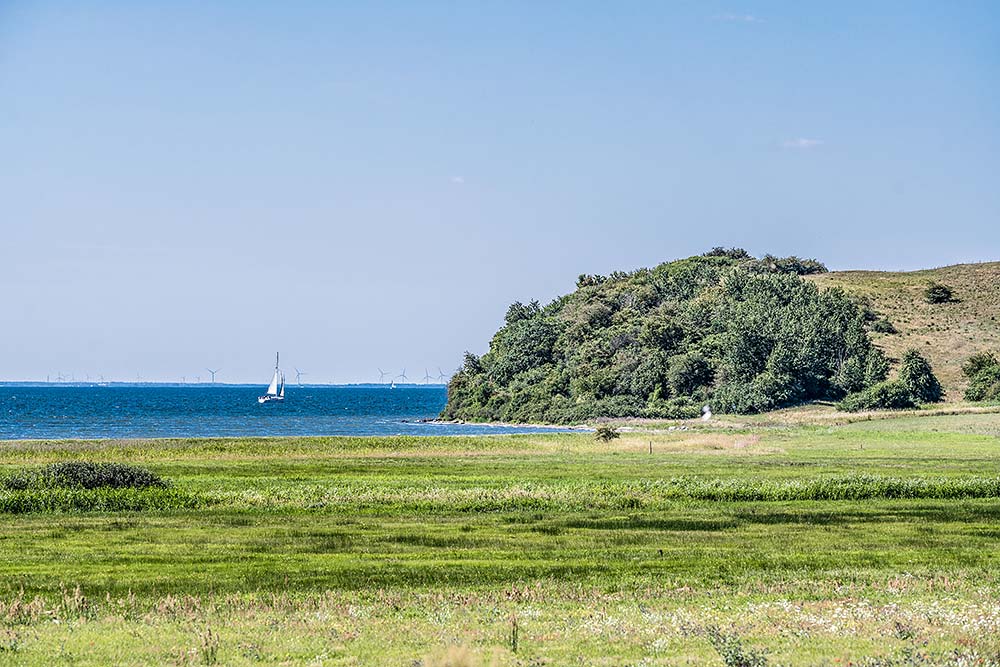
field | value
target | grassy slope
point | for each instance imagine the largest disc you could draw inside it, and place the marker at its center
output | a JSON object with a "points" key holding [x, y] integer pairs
{"points": [[284, 569], [947, 333]]}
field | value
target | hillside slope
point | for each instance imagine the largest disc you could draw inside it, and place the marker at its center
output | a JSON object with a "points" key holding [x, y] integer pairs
{"points": [[946, 333]]}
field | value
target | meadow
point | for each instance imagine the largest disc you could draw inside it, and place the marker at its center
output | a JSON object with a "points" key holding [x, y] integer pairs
{"points": [[739, 543]]}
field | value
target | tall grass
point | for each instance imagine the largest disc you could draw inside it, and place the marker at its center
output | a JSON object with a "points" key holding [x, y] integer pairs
{"points": [[60, 499], [649, 494]]}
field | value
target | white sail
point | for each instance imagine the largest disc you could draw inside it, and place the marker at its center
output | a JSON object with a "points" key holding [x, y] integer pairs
{"points": [[275, 390]]}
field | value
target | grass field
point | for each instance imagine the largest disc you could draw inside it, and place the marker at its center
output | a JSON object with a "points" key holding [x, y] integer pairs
{"points": [[873, 542]]}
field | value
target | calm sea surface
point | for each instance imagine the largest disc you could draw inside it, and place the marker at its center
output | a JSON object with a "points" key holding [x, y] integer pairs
{"points": [[222, 410]]}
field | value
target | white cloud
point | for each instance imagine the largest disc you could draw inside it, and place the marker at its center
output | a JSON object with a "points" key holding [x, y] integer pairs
{"points": [[458, 180], [738, 18], [802, 143]]}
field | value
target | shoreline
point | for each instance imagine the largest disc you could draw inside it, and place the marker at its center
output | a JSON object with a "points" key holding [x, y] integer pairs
{"points": [[553, 427]]}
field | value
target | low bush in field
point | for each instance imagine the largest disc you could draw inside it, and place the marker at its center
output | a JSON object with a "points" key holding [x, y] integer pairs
{"points": [[606, 433], [90, 487], [83, 475], [882, 396]]}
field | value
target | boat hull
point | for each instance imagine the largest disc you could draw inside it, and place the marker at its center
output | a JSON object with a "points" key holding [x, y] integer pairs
{"points": [[269, 399]]}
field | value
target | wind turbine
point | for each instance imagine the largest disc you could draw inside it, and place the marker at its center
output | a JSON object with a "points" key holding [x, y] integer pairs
{"points": [[427, 377], [298, 375], [381, 376], [402, 376], [213, 373], [441, 375]]}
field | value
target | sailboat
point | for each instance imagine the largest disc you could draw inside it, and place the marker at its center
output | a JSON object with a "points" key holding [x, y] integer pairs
{"points": [[275, 390]]}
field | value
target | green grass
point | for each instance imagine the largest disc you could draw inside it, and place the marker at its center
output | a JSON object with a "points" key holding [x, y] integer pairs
{"points": [[815, 543]]}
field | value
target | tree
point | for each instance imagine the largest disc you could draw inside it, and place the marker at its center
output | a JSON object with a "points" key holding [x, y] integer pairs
{"points": [[983, 371], [686, 373], [916, 375], [937, 293]]}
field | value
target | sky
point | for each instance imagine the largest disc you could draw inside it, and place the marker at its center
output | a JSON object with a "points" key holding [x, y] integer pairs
{"points": [[370, 184]]}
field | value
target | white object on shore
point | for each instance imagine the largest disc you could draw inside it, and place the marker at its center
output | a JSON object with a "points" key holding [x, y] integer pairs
{"points": [[275, 390], [706, 413]]}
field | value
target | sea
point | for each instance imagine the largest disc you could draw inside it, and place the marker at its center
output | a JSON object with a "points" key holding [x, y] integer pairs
{"points": [[128, 411]]}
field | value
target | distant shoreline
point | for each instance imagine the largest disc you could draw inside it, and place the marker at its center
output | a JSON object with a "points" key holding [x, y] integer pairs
{"points": [[460, 422]]}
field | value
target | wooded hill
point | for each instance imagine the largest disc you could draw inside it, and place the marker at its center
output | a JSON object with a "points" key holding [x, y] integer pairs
{"points": [[741, 334]]}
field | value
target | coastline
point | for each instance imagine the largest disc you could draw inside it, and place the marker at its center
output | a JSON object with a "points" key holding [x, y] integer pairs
{"points": [[552, 427]]}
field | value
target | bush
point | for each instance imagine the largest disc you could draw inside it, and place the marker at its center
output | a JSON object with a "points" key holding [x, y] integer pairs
{"points": [[937, 293], [916, 375], [793, 264], [732, 650], [985, 386], [883, 325], [983, 371], [729, 253], [882, 396], [84, 475], [606, 433]]}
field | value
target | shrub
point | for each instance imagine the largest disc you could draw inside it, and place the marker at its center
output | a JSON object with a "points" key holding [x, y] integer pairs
{"points": [[978, 362], [983, 371], [732, 651], [84, 475], [730, 253], [916, 375], [606, 433], [793, 264], [937, 293], [883, 325], [882, 396]]}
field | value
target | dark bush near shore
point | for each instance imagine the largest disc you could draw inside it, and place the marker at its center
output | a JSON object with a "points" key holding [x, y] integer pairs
{"points": [[83, 475]]}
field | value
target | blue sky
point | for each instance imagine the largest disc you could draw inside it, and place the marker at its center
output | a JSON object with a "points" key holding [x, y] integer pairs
{"points": [[370, 184]]}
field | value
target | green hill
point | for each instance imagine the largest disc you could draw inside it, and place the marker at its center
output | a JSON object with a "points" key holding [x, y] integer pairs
{"points": [[743, 334], [947, 333]]}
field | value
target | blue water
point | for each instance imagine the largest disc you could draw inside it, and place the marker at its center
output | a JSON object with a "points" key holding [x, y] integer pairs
{"points": [[218, 410]]}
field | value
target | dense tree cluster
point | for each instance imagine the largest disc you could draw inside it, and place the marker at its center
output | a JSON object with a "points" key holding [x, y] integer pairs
{"points": [[742, 334], [915, 384], [983, 371]]}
